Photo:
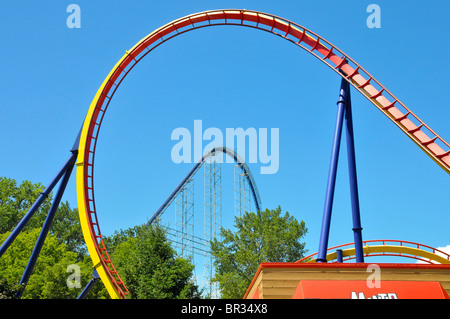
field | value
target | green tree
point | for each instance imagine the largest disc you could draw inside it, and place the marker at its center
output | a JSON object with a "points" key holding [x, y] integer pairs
{"points": [[8, 290], [67, 229], [15, 201], [149, 266], [119, 237], [265, 236], [64, 245], [50, 274]]}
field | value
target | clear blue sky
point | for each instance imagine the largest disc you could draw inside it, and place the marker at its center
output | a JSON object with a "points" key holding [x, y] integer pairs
{"points": [[231, 77]]}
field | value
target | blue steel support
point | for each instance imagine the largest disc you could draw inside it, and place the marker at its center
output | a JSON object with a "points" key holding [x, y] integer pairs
{"points": [[339, 257], [90, 284], [326, 221], [344, 108], [63, 173], [41, 197], [48, 221], [36, 205], [352, 177]]}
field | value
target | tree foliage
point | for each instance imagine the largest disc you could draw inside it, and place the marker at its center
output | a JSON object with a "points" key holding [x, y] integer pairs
{"points": [[143, 255], [63, 245], [49, 277], [149, 265], [16, 200], [264, 236]]}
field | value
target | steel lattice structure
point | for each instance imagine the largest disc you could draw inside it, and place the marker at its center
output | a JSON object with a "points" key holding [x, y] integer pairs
{"points": [[188, 244]]}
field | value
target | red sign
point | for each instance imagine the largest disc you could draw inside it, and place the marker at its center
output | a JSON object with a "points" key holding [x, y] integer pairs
{"points": [[359, 289]]}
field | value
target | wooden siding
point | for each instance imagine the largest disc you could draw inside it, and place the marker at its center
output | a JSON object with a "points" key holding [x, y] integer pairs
{"points": [[280, 280]]}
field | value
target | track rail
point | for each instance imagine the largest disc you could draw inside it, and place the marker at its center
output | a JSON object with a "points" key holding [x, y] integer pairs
{"points": [[422, 135], [386, 247]]}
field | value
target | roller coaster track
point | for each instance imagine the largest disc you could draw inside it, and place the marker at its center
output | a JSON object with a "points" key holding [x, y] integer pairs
{"points": [[422, 135], [193, 171], [384, 247]]}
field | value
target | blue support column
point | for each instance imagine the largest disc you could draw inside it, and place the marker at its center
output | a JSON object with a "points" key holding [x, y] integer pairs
{"points": [[48, 221], [63, 174], [68, 165], [87, 289], [344, 108], [35, 206], [339, 256], [326, 221], [352, 177]]}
